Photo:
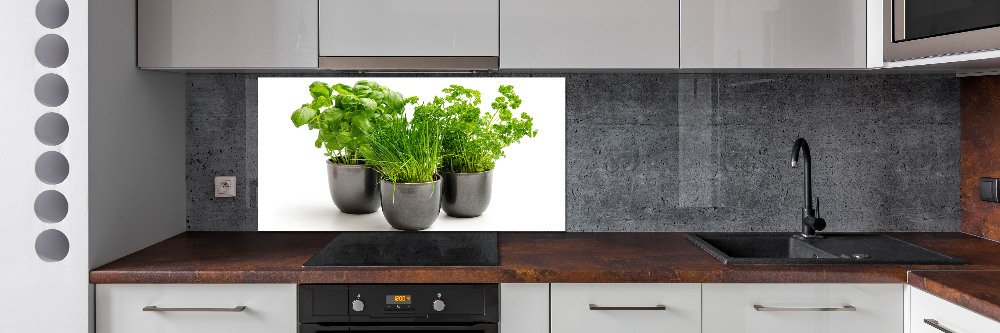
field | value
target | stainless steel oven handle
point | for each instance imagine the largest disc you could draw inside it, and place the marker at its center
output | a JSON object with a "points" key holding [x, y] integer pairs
{"points": [[627, 308], [759, 307], [158, 309], [935, 324]]}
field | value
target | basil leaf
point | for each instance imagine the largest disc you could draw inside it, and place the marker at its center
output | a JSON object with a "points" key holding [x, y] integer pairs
{"points": [[302, 116]]}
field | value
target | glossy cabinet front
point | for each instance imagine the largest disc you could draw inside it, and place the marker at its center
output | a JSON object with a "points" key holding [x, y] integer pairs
{"points": [[626, 307], [409, 28], [773, 34], [196, 308], [802, 308], [930, 314], [524, 308], [589, 34], [223, 34]]}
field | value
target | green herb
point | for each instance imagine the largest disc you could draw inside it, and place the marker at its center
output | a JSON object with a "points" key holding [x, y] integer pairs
{"points": [[343, 118], [405, 152], [474, 140]]}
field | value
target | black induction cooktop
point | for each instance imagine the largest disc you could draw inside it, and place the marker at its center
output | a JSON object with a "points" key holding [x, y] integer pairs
{"points": [[409, 249]]}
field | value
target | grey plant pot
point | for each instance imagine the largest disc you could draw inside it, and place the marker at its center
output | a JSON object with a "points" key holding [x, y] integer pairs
{"points": [[354, 188], [466, 194], [411, 206]]}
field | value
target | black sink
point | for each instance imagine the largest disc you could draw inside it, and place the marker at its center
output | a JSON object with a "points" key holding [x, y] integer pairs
{"points": [[787, 248]]}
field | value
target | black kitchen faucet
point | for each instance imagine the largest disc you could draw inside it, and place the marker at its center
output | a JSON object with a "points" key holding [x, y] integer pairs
{"points": [[810, 222]]}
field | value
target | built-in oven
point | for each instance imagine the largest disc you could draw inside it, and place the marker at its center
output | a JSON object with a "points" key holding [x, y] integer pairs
{"points": [[389, 308], [927, 28]]}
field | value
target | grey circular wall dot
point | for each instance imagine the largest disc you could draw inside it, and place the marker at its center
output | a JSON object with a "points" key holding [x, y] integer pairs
{"points": [[51, 51], [52, 129], [52, 167], [52, 13], [52, 245], [51, 206], [51, 90]]}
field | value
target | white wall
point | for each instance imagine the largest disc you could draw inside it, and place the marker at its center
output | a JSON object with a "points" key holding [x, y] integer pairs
{"points": [[137, 184], [38, 295], [124, 187]]}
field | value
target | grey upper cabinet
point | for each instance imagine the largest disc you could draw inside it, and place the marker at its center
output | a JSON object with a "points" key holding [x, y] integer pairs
{"points": [[222, 34], [589, 34], [409, 34], [776, 34], [409, 28]]}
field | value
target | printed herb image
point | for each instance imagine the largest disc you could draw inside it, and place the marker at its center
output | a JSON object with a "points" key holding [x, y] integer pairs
{"points": [[430, 153]]}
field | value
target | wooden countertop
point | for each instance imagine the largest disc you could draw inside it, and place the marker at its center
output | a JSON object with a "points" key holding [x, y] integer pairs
{"points": [[277, 257], [978, 291]]}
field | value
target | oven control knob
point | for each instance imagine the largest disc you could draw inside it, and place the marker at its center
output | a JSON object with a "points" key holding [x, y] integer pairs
{"points": [[438, 305], [358, 305]]}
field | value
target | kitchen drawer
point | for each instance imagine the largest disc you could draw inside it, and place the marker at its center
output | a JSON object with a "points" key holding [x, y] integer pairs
{"points": [[949, 316], [730, 308], [642, 307], [269, 308]]}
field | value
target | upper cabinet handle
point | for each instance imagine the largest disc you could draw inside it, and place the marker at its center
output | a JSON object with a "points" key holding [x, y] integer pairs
{"points": [[935, 324], [759, 307], [233, 309], [630, 308]]}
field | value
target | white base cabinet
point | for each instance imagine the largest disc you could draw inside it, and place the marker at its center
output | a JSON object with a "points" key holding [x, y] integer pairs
{"points": [[802, 308], [524, 308], [626, 307], [196, 308], [927, 310]]}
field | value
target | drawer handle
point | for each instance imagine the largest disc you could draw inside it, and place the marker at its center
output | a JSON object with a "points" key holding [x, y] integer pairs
{"points": [[935, 324], [759, 307], [234, 309], [628, 308]]}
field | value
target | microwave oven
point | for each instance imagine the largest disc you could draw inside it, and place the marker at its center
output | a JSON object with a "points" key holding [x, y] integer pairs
{"points": [[915, 29]]}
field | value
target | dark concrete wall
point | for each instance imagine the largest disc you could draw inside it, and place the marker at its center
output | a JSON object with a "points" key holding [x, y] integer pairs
{"points": [[683, 152]]}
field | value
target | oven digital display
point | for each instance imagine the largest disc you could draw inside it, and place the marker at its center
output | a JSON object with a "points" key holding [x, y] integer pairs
{"points": [[397, 299]]}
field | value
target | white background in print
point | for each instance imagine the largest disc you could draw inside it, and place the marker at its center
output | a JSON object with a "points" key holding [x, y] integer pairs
{"points": [[529, 185]]}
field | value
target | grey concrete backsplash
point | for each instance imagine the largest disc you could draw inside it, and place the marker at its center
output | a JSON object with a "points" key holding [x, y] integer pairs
{"points": [[681, 152]]}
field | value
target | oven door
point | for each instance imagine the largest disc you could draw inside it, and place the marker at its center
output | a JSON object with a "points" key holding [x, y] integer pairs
{"points": [[472, 328], [926, 28]]}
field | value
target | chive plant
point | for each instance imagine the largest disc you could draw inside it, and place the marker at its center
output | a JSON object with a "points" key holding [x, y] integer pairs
{"points": [[404, 151]]}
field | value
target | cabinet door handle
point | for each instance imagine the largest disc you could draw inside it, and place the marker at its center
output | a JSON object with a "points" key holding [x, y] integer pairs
{"points": [[629, 308], [935, 324], [759, 307], [233, 309]]}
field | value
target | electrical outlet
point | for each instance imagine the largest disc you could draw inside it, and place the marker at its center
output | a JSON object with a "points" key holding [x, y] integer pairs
{"points": [[225, 186]]}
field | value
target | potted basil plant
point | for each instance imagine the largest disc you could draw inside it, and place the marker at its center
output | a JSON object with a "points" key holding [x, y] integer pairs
{"points": [[342, 114], [472, 142], [407, 154]]}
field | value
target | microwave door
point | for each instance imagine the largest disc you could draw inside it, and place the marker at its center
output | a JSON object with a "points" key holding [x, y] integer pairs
{"points": [[916, 19], [914, 29]]}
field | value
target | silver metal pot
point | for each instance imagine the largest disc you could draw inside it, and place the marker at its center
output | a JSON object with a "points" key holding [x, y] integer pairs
{"points": [[354, 188], [411, 206], [466, 194]]}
